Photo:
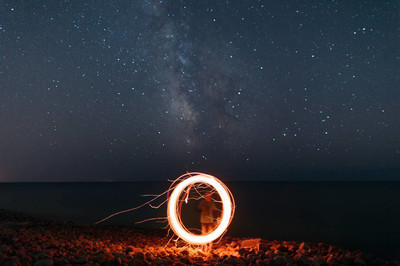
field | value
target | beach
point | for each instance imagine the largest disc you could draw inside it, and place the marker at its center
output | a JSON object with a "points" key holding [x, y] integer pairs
{"points": [[27, 240]]}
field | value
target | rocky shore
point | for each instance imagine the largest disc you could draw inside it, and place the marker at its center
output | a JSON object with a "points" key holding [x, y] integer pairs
{"points": [[26, 240]]}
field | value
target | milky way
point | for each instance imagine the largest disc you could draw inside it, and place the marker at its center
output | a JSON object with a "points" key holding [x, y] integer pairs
{"points": [[147, 90]]}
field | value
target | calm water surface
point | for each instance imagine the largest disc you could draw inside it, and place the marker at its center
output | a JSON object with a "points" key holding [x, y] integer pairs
{"points": [[364, 216]]}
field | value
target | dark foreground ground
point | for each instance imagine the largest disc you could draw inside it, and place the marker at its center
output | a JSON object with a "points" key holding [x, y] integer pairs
{"points": [[26, 240]]}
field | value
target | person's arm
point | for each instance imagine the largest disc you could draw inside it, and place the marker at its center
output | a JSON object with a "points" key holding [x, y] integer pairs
{"points": [[214, 210]]}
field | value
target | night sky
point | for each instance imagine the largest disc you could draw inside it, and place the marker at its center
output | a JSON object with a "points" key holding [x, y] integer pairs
{"points": [[244, 90]]}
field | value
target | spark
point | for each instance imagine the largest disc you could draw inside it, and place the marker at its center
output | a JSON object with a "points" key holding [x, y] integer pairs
{"points": [[135, 208], [174, 218], [183, 185]]}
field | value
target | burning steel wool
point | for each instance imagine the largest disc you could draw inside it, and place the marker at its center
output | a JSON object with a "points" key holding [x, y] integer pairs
{"points": [[191, 186], [195, 181]]}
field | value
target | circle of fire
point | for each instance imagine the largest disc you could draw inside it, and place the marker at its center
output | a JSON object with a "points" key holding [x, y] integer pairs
{"points": [[228, 207]]}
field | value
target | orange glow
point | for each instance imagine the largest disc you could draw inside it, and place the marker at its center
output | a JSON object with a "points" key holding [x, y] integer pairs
{"points": [[228, 207]]}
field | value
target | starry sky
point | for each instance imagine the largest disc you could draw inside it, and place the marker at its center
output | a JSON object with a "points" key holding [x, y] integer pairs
{"points": [[245, 90]]}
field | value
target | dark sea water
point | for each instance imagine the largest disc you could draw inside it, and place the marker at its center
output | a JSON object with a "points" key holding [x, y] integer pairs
{"points": [[350, 215]]}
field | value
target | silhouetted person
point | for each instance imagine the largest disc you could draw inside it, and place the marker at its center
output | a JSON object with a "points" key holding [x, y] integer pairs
{"points": [[207, 208]]}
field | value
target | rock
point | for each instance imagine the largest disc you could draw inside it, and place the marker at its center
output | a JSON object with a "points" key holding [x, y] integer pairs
{"points": [[359, 261], [118, 247], [82, 260], [50, 252], [44, 262], [280, 260], [59, 261], [5, 249], [42, 256], [12, 261], [319, 260], [139, 256], [149, 256], [278, 252], [160, 262], [168, 261], [302, 259], [242, 251], [129, 249], [185, 260], [282, 248], [2, 257], [230, 261], [23, 259], [330, 259], [199, 260], [260, 262], [51, 243], [264, 247], [108, 257], [304, 245], [117, 261], [250, 256], [137, 262]]}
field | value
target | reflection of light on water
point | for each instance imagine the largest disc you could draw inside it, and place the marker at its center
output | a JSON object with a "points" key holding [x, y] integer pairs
{"points": [[192, 180]]}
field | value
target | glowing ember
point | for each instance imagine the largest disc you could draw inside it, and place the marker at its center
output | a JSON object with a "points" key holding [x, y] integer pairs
{"points": [[228, 207]]}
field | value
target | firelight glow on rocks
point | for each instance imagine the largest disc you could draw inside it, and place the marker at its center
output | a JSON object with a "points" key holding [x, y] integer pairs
{"points": [[228, 207]]}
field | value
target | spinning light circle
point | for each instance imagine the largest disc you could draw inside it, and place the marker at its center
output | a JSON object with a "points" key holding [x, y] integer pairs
{"points": [[228, 207]]}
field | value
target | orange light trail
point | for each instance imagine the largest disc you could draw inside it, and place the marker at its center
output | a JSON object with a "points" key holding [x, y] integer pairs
{"points": [[228, 207]]}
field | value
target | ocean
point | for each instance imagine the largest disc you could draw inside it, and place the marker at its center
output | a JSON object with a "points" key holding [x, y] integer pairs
{"points": [[352, 215]]}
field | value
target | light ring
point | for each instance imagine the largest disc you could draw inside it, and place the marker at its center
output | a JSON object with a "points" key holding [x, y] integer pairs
{"points": [[227, 208]]}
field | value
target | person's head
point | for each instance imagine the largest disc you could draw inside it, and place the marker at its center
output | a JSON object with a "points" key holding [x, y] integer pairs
{"points": [[208, 196]]}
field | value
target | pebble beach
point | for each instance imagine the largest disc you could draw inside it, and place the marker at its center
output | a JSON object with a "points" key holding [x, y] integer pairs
{"points": [[26, 240]]}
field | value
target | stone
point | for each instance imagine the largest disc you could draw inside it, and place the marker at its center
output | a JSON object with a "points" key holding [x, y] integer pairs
{"points": [[319, 260], [331, 249], [82, 260], [304, 246], [149, 256], [161, 262], [117, 261], [44, 262], [199, 260], [139, 256], [282, 248], [259, 262], [242, 251], [185, 252], [359, 261], [278, 252], [330, 259], [280, 260], [230, 261], [185, 260], [5, 249], [12, 261], [49, 243], [42, 256]]}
